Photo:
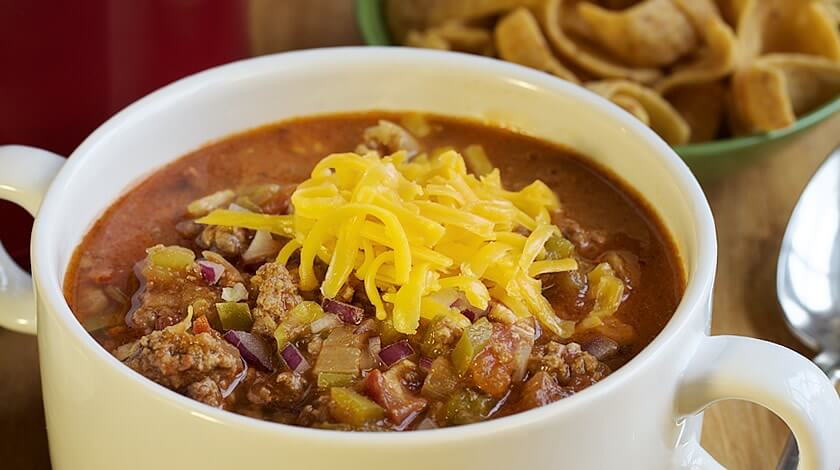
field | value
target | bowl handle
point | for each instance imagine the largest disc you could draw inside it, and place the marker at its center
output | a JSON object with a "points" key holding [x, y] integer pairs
{"points": [[781, 380], [25, 175]]}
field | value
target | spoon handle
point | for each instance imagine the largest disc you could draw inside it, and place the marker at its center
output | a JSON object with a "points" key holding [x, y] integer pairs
{"points": [[830, 364]]}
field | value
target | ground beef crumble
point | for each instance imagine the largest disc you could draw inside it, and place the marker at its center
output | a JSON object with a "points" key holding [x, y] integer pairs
{"points": [[203, 366], [163, 300], [278, 389], [277, 294], [229, 242], [315, 412], [568, 364]]}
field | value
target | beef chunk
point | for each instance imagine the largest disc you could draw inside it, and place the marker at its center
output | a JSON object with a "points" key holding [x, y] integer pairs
{"points": [[267, 198], [393, 391], [589, 242], [278, 390], [204, 366], [165, 295], [559, 370], [539, 390], [188, 229], [277, 294], [206, 391], [601, 347], [572, 367], [318, 411], [493, 367], [229, 242], [279, 202]]}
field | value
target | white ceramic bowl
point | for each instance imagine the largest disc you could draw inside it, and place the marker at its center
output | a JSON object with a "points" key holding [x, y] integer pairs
{"points": [[102, 415]]}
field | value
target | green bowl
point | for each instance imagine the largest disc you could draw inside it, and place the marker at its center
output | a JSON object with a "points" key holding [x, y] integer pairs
{"points": [[706, 157]]}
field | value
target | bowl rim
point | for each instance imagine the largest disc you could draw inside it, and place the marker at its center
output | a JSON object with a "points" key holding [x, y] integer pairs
{"points": [[375, 33], [46, 269]]}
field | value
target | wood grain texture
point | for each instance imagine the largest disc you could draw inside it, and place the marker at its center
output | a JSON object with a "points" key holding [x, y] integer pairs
{"points": [[284, 25], [751, 207]]}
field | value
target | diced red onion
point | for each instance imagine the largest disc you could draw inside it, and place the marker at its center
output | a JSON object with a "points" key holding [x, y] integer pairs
{"points": [[348, 313], [294, 359], [466, 309], [426, 363], [137, 298], [471, 316], [396, 352], [601, 347], [129, 319], [327, 322], [252, 348], [210, 271], [261, 247]]}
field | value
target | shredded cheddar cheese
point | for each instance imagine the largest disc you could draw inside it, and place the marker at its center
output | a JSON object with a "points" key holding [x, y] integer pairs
{"points": [[413, 230]]}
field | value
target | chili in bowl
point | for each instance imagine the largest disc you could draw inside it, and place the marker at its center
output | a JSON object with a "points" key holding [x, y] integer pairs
{"points": [[542, 256], [343, 272]]}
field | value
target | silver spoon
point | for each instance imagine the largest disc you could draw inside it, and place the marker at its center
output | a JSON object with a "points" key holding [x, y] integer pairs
{"points": [[808, 276]]}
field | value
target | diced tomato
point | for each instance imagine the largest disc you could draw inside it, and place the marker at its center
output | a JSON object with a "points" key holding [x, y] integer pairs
{"points": [[201, 325], [539, 390], [389, 392], [493, 367]]}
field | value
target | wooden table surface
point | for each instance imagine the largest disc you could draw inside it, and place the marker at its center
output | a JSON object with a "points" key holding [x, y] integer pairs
{"points": [[751, 207]]}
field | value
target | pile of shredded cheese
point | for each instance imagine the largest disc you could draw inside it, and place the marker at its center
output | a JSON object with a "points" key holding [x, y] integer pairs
{"points": [[411, 229]]}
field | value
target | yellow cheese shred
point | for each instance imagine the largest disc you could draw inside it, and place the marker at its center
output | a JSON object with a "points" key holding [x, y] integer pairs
{"points": [[370, 283], [279, 224], [287, 251], [552, 266], [419, 230]]}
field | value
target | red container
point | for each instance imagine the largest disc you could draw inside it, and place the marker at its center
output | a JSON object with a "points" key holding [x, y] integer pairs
{"points": [[66, 67]]}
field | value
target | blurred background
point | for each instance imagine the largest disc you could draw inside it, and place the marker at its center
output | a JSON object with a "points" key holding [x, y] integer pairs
{"points": [[68, 66]]}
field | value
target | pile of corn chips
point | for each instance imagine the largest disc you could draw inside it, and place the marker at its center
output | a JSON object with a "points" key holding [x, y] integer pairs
{"points": [[692, 70]]}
